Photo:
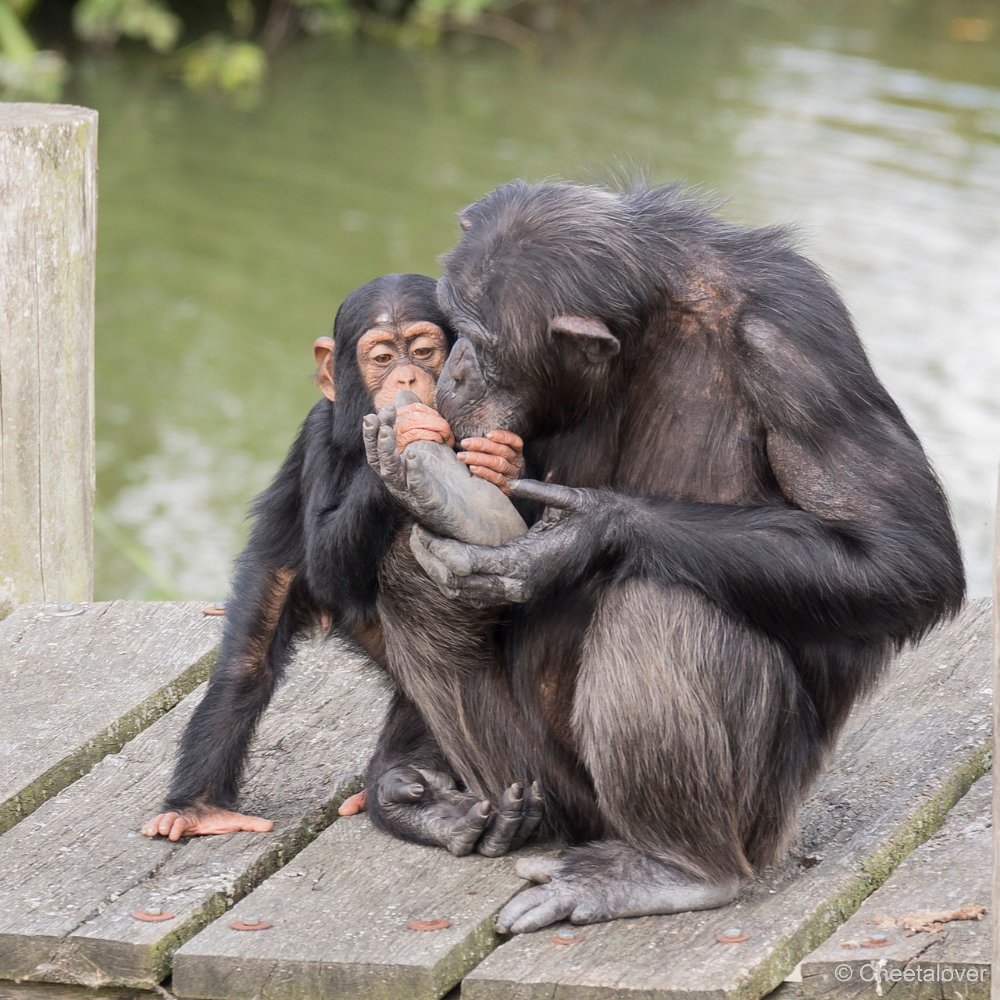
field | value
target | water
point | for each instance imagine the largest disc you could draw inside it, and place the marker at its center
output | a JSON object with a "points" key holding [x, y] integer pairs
{"points": [[228, 237]]}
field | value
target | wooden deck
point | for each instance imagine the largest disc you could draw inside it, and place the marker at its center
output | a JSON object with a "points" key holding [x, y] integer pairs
{"points": [[91, 707]]}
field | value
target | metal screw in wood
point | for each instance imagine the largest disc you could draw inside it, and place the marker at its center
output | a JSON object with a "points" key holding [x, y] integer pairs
{"points": [[428, 925], [876, 941], [152, 914], [566, 936], [732, 935]]}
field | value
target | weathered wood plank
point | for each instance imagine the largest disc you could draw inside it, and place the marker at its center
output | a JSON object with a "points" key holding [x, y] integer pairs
{"points": [[996, 742], [950, 871], [48, 220], [52, 991], [339, 916], [72, 873], [73, 689], [906, 757]]}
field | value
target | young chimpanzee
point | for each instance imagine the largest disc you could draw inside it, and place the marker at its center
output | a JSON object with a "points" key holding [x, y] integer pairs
{"points": [[322, 529]]}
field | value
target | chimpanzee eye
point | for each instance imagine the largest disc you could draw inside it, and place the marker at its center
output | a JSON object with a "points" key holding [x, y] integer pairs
{"points": [[423, 353], [382, 357]]}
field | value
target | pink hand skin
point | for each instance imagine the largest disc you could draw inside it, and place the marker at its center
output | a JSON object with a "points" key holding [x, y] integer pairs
{"points": [[496, 458], [355, 804], [204, 822]]}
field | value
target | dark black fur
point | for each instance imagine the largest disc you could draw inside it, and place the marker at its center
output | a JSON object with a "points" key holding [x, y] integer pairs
{"points": [[756, 531], [325, 524]]}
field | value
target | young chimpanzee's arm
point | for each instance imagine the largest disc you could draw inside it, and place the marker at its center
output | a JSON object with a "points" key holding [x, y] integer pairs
{"points": [[264, 611]]}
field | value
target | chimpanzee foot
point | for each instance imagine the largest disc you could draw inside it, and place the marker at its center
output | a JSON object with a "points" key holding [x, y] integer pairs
{"points": [[424, 806], [453, 502], [437, 489], [603, 881]]}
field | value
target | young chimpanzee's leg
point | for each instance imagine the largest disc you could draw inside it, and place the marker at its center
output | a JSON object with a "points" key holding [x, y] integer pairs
{"points": [[429, 641]]}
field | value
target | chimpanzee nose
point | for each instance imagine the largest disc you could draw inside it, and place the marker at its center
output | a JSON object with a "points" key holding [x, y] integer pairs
{"points": [[462, 361]]}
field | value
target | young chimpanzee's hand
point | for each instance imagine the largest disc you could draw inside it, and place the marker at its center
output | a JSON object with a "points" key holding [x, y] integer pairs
{"points": [[417, 422], [497, 458]]}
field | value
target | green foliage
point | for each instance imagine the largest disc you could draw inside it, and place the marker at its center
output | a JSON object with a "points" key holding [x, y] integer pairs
{"points": [[105, 21], [236, 60], [223, 64], [25, 72]]}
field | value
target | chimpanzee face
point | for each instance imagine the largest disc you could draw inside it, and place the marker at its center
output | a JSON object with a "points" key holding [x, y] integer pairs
{"points": [[531, 290], [519, 368]]}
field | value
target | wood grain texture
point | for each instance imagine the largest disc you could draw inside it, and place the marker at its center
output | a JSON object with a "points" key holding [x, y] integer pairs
{"points": [[995, 988], [948, 872], [48, 217], [340, 913], [75, 689], [906, 757], [72, 873], [51, 991]]}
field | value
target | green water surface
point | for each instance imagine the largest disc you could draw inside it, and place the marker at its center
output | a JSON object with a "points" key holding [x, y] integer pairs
{"points": [[228, 236]]}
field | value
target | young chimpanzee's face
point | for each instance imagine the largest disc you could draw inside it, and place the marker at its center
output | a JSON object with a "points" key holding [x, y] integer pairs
{"points": [[389, 335], [393, 356]]}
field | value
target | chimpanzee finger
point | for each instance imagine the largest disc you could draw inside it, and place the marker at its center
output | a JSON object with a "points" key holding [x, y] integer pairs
{"points": [[486, 446], [548, 906], [390, 466], [407, 437], [387, 415], [178, 828], [495, 462], [400, 786], [440, 780], [468, 829], [163, 823], [442, 558], [563, 497], [487, 591], [406, 398], [531, 815], [508, 438], [506, 821], [369, 432], [496, 478]]}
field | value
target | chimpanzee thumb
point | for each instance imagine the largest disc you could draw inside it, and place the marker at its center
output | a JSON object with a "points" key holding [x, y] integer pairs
{"points": [[550, 494]]}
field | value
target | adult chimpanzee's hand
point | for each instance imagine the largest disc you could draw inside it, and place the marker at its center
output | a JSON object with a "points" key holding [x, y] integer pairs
{"points": [[487, 576]]}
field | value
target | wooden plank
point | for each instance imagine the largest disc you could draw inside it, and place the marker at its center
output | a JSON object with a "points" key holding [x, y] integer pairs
{"points": [[48, 219], [905, 759], [73, 689], [339, 916], [72, 873], [46, 991], [950, 871], [996, 739]]}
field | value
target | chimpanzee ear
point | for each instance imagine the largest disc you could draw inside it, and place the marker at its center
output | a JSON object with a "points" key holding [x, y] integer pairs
{"points": [[589, 335], [465, 220], [323, 353]]}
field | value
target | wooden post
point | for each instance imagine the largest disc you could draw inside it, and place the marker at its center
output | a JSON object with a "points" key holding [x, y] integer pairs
{"points": [[995, 980], [48, 212]]}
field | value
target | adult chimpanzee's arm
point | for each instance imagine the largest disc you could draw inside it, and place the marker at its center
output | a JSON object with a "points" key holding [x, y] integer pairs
{"points": [[859, 543]]}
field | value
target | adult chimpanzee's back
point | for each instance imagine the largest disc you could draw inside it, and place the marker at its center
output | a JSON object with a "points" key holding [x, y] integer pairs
{"points": [[743, 532]]}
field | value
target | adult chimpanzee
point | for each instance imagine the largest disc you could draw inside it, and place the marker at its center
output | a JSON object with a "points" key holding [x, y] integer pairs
{"points": [[745, 530], [321, 530]]}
